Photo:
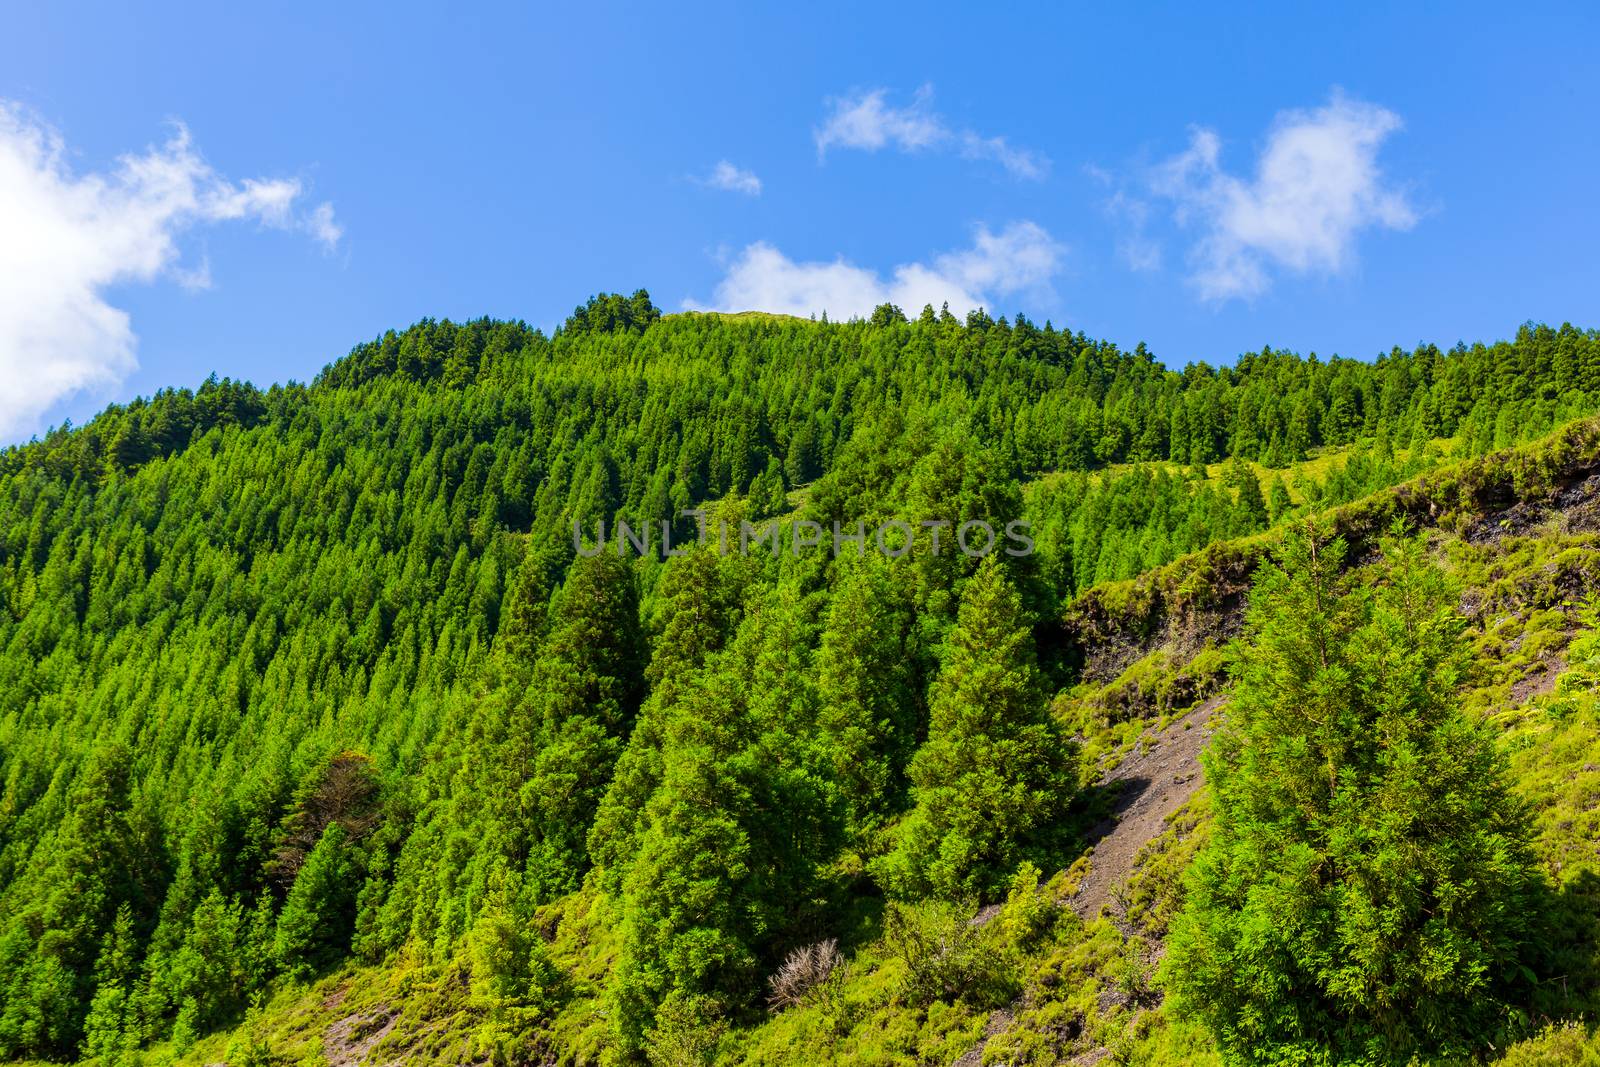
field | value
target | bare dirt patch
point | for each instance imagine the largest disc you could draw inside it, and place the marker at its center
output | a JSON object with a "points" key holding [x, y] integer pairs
{"points": [[1540, 679], [1157, 779], [351, 1040]]}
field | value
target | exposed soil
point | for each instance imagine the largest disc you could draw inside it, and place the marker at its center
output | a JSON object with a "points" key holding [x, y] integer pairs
{"points": [[351, 1040], [1157, 779], [1112, 644], [1576, 506], [1539, 680]]}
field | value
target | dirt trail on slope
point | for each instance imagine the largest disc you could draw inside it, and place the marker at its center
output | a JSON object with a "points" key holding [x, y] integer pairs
{"points": [[1158, 778]]}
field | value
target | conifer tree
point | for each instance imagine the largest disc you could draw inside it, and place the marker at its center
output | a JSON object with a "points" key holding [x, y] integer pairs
{"points": [[49, 952], [1250, 503], [733, 836], [593, 661], [869, 699], [209, 977], [1364, 894], [1278, 500], [524, 617], [112, 1027], [686, 926], [344, 790], [317, 917], [991, 783], [694, 614]]}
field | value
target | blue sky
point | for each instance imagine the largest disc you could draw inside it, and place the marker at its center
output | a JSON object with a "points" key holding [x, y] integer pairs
{"points": [[1206, 181]]}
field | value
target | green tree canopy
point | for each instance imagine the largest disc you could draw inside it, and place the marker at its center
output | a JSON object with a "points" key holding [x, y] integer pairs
{"points": [[992, 781], [1365, 894]]}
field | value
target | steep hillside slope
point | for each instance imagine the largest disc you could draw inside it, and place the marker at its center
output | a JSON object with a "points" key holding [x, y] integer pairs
{"points": [[319, 736], [1064, 969]]}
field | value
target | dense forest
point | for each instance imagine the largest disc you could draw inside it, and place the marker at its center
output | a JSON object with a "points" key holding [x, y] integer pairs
{"points": [[302, 681]]}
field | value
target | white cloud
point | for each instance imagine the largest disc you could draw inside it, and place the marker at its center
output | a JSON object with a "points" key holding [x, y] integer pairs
{"points": [[1019, 161], [1135, 247], [1021, 257], [1131, 215], [864, 121], [732, 179], [68, 237], [867, 122], [320, 224], [1317, 186]]}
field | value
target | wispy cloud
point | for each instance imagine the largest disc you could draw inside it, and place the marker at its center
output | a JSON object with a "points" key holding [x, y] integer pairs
{"points": [[68, 237], [1019, 161], [1130, 213], [1021, 257], [1317, 186], [732, 179], [865, 121], [320, 224], [868, 122]]}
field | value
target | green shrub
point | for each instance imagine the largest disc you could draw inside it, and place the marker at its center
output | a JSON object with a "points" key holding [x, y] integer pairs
{"points": [[948, 957]]}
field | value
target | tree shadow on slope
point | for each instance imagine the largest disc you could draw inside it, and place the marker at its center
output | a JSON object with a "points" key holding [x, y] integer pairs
{"points": [[1567, 950]]}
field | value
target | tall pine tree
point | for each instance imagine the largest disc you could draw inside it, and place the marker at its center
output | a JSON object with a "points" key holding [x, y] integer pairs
{"points": [[869, 698], [1364, 894], [994, 778]]}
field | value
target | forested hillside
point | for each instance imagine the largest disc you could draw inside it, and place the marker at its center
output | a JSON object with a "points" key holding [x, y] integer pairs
{"points": [[311, 685]]}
